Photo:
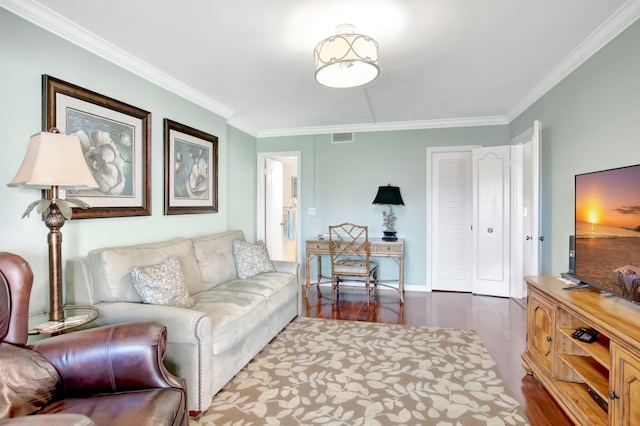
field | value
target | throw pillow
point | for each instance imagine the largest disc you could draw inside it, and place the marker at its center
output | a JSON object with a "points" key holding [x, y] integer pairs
{"points": [[162, 284], [28, 382], [251, 259]]}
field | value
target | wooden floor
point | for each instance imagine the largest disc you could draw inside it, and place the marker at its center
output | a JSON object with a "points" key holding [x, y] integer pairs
{"points": [[500, 323]]}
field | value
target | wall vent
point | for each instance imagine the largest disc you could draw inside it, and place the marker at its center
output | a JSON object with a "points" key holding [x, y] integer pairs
{"points": [[342, 138]]}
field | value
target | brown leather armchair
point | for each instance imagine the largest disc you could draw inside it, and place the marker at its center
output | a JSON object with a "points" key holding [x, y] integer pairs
{"points": [[110, 375]]}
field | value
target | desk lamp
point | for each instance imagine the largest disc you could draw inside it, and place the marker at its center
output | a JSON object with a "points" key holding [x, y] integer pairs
{"points": [[54, 161], [389, 195]]}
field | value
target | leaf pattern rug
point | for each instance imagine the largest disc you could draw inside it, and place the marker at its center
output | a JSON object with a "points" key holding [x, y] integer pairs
{"points": [[333, 372]]}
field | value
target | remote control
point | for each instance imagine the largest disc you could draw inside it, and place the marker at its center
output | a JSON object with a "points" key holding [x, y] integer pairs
{"points": [[601, 402], [579, 332], [587, 335]]}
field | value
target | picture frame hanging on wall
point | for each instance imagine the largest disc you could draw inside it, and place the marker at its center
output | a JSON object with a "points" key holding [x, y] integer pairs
{"points": [[116, 141], [191, 170]]}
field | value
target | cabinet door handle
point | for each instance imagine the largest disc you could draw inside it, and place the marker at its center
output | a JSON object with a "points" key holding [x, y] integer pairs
{"points": [[541, 238], [549, 339], [613, 395], [528, 237]]}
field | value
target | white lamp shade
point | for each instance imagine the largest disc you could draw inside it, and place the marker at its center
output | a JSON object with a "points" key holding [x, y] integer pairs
{"points": [[54, 159], [346, 59]]}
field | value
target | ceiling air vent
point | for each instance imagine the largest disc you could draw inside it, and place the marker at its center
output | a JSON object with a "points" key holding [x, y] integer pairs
{"points": [[342, 138]]}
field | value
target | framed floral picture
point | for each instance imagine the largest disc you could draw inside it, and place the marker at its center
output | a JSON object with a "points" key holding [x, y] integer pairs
{"points": [[115, 139], [191, 170]]}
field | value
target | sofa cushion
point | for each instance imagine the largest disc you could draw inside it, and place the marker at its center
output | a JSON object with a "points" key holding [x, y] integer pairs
{"points": [[214, 255], [277, 287], [28, 382], [251, 259], [233, 314], [162, 284], [110, 267]]}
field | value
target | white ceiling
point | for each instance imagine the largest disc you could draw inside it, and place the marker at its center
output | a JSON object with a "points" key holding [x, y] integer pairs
{"points": [[443, 62]]}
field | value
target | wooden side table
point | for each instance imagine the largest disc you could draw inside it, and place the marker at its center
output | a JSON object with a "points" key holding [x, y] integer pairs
{"points": [[74, 315]]}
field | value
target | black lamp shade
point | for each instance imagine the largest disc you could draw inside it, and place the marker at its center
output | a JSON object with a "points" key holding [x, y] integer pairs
{"points": [[388, 195]]}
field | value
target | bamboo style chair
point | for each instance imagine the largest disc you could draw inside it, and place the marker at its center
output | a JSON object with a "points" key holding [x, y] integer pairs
{"points": [[349, 252]]}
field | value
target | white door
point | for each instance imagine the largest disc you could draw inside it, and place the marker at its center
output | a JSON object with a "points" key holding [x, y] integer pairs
{"points": [[491, 220], [274, 208], [526, 237], [449, 210]]}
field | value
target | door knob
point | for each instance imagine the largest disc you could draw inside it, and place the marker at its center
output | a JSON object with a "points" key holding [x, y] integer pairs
{"points": [[490, 230]]}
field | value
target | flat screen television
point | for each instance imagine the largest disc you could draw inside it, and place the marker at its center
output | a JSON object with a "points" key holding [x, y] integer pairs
{"points": [[607, 231]]}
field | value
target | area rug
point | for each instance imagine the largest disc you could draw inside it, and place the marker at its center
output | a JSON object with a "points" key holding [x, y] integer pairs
{"points": [[334, 372]]}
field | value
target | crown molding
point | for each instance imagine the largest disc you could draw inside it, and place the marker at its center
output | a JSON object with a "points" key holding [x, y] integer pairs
{"points": [[57, 24], [242, 125], [607, 31], [383, 127]]}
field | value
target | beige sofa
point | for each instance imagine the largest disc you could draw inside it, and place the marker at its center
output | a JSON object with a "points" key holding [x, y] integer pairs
{"points": [[231, 321]]}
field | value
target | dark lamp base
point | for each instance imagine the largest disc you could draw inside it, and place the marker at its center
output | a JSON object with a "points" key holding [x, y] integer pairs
{"points": [[389, 236]]}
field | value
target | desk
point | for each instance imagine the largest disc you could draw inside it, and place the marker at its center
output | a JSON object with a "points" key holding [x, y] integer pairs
{"points": [[379, 248]]}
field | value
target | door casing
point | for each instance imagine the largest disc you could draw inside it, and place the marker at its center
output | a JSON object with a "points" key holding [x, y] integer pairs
{"points": [[261, 192]]}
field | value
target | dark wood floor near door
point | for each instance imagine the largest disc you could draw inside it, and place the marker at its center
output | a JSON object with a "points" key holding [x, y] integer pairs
{"points": [[499, 322]]}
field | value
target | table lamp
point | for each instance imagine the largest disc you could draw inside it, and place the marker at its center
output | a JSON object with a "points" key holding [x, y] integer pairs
{"points": [[389, 195], [54, 161]]}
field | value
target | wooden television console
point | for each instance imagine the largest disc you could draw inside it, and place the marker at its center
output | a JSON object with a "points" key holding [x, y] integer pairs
{"points": [[570, 369]]}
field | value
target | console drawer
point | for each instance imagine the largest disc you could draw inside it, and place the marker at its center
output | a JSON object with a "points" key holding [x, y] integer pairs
{"points": [[386, 248], [317, 247]]}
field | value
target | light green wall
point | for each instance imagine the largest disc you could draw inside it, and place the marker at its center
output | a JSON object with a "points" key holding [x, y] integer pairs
{"points": [[341, 181], [241, 165], [27, 52], [590, 121]]}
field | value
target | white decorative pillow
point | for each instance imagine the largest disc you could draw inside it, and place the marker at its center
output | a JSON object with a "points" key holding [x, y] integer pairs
{"points": [[251, 259], [162, 284]]}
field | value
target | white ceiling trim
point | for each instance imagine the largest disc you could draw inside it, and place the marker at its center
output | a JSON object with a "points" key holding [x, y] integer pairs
{"points": [[51, 21], [57, 24], [607, 31], [383, 127]]}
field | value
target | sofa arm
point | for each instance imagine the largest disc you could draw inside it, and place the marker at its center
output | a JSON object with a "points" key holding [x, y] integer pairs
{"points": [[184, 326], [288, 267], [121, 357]]}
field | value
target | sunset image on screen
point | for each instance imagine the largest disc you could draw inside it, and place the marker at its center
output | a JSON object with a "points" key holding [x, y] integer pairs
{"points": [[609, 199], [607, 230]]}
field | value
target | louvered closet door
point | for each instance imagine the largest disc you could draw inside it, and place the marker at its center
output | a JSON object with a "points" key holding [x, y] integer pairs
{"points": [[450, 213]]}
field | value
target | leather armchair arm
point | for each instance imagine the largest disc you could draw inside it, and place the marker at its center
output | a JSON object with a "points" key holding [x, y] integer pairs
{"points": [[61, 419], [115, 358]]}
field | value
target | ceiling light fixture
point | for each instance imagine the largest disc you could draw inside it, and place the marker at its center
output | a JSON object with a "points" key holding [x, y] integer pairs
{"points": [[346, 59]]}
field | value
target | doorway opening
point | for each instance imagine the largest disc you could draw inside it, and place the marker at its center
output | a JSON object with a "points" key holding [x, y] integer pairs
{"points": [[278, 204]]}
